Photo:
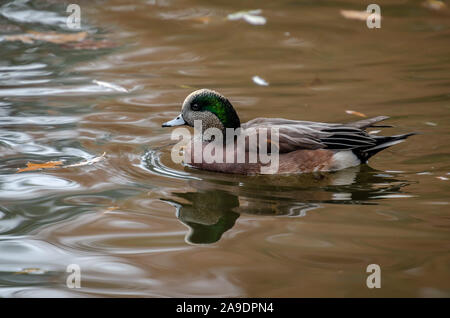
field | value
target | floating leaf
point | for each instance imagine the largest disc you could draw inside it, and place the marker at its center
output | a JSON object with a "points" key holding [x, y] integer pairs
{"points": [[358, 15], [37, 166], [52, 37], [87, 162], [352, 112], [58, 164], [259, 81]]}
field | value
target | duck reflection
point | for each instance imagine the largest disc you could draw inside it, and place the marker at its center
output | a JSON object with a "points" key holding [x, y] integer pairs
{"points": [[208, 214], [218, 201]]}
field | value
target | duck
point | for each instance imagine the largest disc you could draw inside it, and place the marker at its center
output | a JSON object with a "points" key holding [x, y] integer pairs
{"points": [[300, 146]]}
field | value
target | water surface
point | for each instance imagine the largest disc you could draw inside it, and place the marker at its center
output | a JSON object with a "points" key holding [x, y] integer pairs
{"points": [[139, 225]]}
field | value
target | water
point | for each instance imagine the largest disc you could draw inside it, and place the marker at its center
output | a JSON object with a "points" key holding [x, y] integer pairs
{"points": [[139, 225]]}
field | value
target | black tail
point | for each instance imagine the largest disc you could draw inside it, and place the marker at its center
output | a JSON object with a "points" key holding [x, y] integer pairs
{"points": [[382, 142]]}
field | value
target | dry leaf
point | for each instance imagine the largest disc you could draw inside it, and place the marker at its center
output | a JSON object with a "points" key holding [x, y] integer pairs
{"points": [[37, 166], [52, 37], [87, 162], [357, 15], [57, 164], [352, 112]]}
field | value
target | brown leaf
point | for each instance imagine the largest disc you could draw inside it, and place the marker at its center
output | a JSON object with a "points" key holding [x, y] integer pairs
{"points": [[52, 37], [36, 166], [352, 112]]}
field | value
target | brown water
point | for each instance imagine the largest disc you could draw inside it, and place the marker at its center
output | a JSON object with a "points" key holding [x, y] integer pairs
{"points": [[139, 225]]}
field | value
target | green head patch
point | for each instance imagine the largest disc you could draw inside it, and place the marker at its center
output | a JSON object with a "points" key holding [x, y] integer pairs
{"points": [[209, 101]]}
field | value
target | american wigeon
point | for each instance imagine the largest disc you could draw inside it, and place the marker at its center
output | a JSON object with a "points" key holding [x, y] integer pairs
{"points": [[303, 146]]}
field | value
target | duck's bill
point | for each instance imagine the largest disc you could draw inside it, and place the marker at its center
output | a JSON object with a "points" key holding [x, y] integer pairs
{"points": [[178, 121]]}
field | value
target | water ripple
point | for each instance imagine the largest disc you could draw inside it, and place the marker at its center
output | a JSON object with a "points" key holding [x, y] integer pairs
{"points": [[26, 186]]}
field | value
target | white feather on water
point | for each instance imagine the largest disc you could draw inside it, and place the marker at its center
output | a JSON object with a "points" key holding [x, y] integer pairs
{"points": [[114, 87], [259, 81]]}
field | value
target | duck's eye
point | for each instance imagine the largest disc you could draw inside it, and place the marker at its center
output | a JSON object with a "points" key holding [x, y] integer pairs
{"points": [[195, 106]]}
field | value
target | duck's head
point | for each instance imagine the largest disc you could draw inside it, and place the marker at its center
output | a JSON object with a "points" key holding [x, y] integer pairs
{"points": [[212, 108]]}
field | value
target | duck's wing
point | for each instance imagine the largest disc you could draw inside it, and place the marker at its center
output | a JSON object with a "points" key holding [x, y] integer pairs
{"points": [[295, 135]]}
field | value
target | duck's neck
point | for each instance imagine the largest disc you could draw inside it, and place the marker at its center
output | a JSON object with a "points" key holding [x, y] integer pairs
{"points": [[225, 113], [230, 124], [230, 135]]}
